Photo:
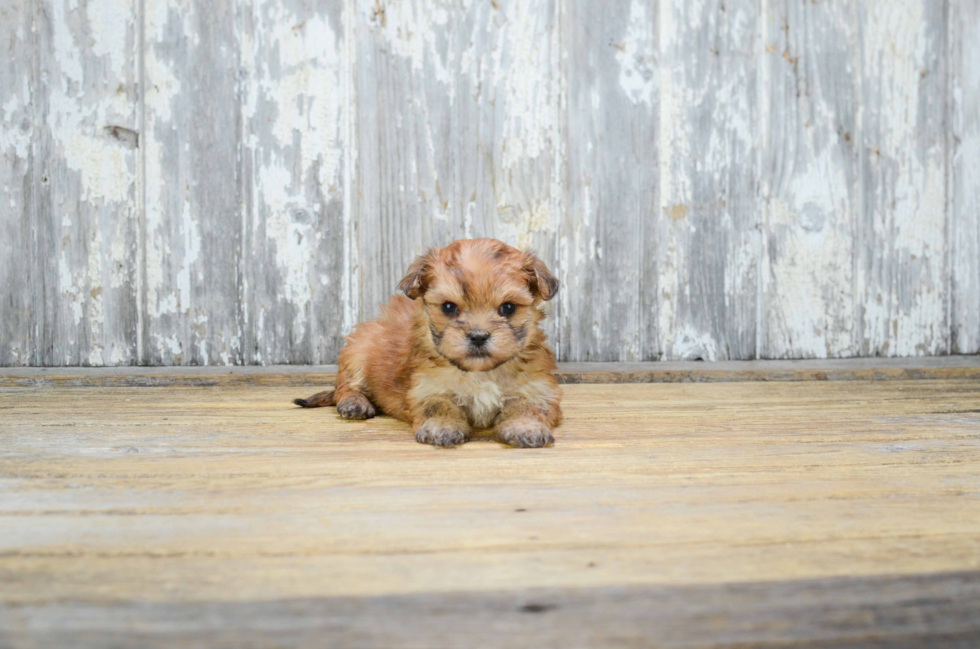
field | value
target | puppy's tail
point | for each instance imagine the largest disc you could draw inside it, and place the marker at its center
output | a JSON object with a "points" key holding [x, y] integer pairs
{"points": [[318, 400]]}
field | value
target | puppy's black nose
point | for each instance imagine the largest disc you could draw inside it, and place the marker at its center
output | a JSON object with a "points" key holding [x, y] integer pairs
{"points": [[478, 337]]}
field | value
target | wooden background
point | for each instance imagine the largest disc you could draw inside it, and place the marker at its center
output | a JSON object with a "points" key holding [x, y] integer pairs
{"points": [[241, 181]]}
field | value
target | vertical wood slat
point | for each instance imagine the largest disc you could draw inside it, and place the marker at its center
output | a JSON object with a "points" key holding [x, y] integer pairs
{"points": [[810, 178], [708, 221], [293, 179], [86, 188], [456, 131], [964, 169], [609, 266], [17, 129], [193, 184], [506, 129], [900, 243], [405, 92]]}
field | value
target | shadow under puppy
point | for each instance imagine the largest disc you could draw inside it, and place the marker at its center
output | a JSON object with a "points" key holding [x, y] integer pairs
{"points": [[461, 350]]}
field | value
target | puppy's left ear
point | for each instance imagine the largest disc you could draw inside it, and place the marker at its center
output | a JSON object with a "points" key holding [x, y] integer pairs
{"points": [[416, 280], [540, 278]]}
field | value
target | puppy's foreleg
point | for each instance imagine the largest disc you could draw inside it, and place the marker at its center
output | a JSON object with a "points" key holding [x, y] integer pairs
{"points": [[440, 422], [527, 425]]}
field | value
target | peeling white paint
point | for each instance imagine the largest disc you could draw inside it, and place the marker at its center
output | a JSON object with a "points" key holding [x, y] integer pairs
{"points": [[637, 55], [295, 86], [904, 302], [910, 286], [411, 29], [14, 138], [76, 117], [527, 126], [965, 179], [691, 344]]}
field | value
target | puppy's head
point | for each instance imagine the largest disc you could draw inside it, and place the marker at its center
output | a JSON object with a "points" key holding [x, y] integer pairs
{"points": [[480, 298]]}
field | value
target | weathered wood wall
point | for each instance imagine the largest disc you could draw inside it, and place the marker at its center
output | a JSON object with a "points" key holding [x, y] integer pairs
{"points": [[241, 181]]}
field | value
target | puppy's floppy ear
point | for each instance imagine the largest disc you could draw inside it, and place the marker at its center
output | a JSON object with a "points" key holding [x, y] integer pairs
{"points": [[417, 279], [540, 278]]}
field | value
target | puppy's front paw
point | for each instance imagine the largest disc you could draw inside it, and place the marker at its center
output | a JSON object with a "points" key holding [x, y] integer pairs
{"points": [[525, 433], [440, 432], [356, 407]]}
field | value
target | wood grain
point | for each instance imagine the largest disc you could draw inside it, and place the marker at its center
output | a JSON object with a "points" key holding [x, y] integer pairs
{"points": [[901, 234], [964, 168], [406, 162], [86, 118], [734, 502], [457, 110], [708, 215], [810, 180], [608, 234], [192, 183], [508, 138], [192, 247], [851, 369], [295, 106], [17, 178], [924, 610]]}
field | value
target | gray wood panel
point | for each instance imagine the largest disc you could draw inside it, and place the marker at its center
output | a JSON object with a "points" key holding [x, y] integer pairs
{"points": [[193, 185], [241, 181], [810, 179], [406, 171], [295, 107], [964, 169], [457, 125], [507, 134], [709, 216], [900, 242], [609, 223], [17, 169], [86, 192]]}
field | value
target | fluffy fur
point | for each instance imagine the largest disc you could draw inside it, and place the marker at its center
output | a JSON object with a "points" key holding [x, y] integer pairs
{"points": [[461, 350]]}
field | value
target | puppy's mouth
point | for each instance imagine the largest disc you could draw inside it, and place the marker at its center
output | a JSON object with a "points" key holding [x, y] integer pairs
{"points": [[479, 353], [475, 355]]}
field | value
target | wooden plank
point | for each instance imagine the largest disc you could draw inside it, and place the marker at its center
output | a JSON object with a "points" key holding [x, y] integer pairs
{"points": [[87, 141], [902, 280], [18, 83], [294, 163], [406, 173], [608, 243], [506, 137], [193, 195], [964, 170], [924, 610], [810, 179], [725, 371], [707, 226], [456, 123], [852, 369], [772, 512]]}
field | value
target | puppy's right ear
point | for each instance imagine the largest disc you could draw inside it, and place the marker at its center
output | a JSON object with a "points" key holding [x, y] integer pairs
{"points": [[417, 279]]}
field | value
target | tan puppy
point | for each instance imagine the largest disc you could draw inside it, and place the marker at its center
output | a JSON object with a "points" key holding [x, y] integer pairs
{"points": [[463, 350]]}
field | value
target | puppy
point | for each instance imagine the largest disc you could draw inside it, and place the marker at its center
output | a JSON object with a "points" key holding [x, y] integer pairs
{"points": [[460, 350]]}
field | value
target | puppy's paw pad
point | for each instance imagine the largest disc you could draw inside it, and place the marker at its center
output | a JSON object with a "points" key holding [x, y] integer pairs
{"points": [[439, 433], [356, 408], [525, 434]]}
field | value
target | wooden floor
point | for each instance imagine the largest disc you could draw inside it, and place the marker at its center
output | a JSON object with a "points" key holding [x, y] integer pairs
{"points": [[843, 514]]}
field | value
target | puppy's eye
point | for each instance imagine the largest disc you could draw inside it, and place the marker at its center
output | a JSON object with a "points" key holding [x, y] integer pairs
{"points": [[449, 309], [507, 309]]}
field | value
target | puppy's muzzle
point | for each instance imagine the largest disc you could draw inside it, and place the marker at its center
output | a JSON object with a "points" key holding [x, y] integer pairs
{"points": [[478, 339]]}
